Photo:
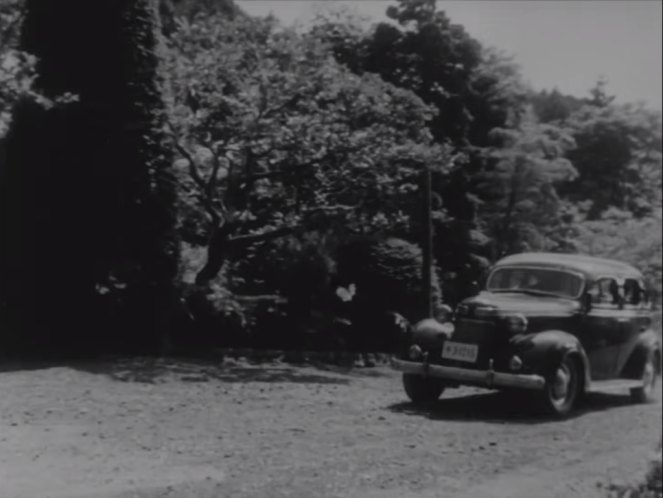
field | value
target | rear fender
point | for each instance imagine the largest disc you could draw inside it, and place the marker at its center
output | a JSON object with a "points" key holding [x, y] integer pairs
{"points": [[647, 341], [542, 352]]}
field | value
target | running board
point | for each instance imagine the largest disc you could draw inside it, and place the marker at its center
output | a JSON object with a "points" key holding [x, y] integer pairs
{"points": [[615, 385]]}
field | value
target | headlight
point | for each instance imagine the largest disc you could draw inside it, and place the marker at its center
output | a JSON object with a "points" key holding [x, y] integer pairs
{"points": [[516, 324], [515, 363], [401, 322], [448, 328], [415, 353]]}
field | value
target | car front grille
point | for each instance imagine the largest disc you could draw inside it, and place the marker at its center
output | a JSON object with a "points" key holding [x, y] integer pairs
{"points": [[483, 332], [475, 331]]}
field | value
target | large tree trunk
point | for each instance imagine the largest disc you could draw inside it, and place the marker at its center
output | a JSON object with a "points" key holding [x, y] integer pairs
{"points": [[87, 223]]}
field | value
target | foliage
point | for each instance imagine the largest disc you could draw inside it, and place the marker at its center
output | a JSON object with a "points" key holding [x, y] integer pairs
{"points": [[278, 138], [16, 67], [290, 144], [474, 90], [426, 53], [94, 242], [553, 106], [618, 158], [620, 235], [387, 274], [171, 10], [521, 205]]}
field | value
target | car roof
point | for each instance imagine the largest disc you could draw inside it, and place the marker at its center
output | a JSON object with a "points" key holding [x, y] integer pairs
{"points": [[590, 266]]}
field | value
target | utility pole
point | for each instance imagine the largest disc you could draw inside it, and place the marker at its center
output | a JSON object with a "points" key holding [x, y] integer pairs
{"points": [[427, 243]]}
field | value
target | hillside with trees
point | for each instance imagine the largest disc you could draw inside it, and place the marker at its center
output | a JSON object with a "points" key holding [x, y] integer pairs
{"points": [[190, 173]]}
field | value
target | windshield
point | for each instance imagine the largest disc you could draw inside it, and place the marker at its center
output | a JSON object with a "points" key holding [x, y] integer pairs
{"points": [[535, 281]]}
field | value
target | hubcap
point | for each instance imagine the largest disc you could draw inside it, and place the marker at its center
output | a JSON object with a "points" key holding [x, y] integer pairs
{"points": [[563, 385], [560, 388], [649, 376]]}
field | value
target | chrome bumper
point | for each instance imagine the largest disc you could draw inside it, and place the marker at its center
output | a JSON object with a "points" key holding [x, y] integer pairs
{"points": [[484, 378]]}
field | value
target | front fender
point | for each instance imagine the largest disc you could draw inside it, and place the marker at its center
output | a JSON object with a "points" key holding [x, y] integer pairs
{"points": [[429, 333], [542, 352]]}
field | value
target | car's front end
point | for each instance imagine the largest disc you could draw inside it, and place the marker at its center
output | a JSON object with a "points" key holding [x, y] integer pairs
{"points": [[502, 338], [488, 343]]}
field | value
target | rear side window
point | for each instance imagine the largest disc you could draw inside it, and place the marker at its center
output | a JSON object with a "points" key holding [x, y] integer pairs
{"points": [[611, 292], [635, 293]]}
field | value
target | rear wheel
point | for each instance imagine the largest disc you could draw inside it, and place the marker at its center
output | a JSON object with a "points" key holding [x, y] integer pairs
{"points": [[422, 390], [650, 370], [562, 389]]}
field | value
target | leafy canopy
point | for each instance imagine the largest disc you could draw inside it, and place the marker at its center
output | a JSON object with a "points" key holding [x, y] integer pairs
{"points": [[275, 134]]}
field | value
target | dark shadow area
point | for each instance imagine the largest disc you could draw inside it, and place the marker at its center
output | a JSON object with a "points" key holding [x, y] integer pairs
{"points": [[345, 369], [503, 407], [153, 370]]}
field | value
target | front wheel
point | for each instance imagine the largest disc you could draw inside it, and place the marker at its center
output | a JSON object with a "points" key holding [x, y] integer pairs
{"points": [[647, 392], [422, 390], [562, 388]]}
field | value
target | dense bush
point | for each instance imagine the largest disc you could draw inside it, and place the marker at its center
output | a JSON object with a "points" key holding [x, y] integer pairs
{"points": [[387, 274]]}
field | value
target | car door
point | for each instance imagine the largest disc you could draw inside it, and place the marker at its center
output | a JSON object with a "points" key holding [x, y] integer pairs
{"points": [[635, 318], [602, 329]]}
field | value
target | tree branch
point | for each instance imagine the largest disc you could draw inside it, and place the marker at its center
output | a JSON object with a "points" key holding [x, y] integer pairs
{"points": [[223, 243], [205, 197], [254, 238]]}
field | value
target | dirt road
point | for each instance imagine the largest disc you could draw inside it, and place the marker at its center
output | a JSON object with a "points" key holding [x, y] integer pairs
{"points": [[125, 429]]}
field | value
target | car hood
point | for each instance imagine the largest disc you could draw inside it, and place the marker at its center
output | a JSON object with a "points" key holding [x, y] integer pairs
{"points": [[501, 303]]}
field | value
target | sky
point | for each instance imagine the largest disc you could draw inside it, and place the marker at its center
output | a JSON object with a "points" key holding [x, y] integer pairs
{"points": [[563, 44]]}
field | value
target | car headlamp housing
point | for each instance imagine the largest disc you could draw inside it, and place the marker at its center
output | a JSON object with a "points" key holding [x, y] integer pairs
{"points": [[415, 353], [516, 324]]}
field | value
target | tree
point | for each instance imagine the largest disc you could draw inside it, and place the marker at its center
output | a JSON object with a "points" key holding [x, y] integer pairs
{"points": [[171, 10], [553, 106], [277, 138], [619, 235], [474, 90], [16, 67], [387, 274], [521, 202], [618, 158], [86, 200]]}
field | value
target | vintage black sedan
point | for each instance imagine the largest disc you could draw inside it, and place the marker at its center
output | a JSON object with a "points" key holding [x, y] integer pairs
{"points": [[554, 325]]}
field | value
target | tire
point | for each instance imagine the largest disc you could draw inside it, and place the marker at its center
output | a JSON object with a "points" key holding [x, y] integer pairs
{"points": [[651, 368], [562, 389], [422, 390]]}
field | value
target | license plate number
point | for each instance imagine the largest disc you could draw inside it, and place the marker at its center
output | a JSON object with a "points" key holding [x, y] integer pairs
{"points": [[460, 351]]}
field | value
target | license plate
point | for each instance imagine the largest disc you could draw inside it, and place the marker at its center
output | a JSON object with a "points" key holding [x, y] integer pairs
{"points": [[460, 351]]}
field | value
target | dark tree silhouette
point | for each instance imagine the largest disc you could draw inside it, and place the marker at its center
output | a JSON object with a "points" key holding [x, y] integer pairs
{"points": [[87, 218]]}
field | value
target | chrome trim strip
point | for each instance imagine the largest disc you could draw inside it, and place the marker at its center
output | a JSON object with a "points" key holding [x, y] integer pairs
{"points": [[485, 378]]}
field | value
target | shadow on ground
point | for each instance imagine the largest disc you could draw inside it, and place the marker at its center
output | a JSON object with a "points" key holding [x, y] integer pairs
{"points": [[154, 370], [504, 407]]}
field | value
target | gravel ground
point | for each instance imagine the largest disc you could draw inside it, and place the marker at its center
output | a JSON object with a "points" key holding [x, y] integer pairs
{"points": [[166, 428]]}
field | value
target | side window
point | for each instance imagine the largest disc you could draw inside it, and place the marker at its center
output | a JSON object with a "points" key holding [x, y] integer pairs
{"points": [[635, 294], [605, 293]]}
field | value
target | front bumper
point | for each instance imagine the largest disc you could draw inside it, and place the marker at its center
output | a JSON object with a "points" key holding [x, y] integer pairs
{"points": [[483, 378]]}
